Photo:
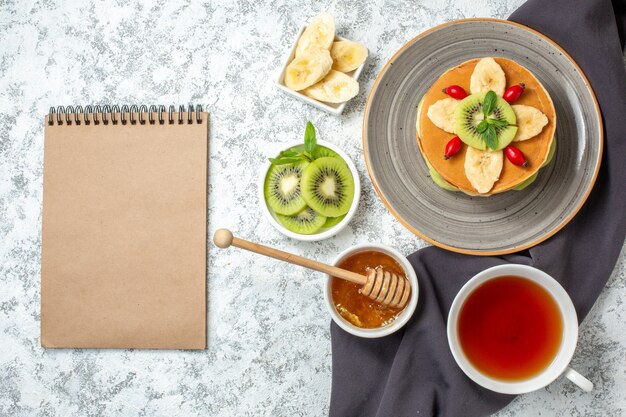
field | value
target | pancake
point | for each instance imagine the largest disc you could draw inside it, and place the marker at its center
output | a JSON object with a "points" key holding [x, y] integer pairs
{"points": [[432, 140]]}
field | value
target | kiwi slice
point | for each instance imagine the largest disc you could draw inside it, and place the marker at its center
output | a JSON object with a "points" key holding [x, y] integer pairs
{"points": [[282, 188], [324, 152], [333, 221], [419, 109], [307, 222], [328, 187], [438, 179], [469, 113], [550, 152], [526, 182]]}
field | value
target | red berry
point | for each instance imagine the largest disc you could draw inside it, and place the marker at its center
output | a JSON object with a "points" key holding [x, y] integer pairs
{"points": [[453, 147], [515, 156], [455, 91], [512, 93]]}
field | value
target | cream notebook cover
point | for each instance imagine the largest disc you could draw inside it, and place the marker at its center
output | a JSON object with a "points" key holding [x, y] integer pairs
{"points": [[124, 228]]}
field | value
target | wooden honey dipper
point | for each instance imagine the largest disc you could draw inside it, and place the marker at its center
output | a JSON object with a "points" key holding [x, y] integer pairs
{"points": [[381, 286]]}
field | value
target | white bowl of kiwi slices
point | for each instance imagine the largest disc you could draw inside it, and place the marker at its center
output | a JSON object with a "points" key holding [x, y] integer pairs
{"points": [[309, 192]]}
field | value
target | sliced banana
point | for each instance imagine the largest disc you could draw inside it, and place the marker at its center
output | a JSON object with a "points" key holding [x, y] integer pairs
{"points": [[530, 121], [441, 113], [347, 55], [488, 75], [336, 87], [307, 69], [319, 34], [482, 168]]}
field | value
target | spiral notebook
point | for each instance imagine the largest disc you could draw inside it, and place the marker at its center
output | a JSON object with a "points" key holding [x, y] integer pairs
{"points": [[124, 228]]}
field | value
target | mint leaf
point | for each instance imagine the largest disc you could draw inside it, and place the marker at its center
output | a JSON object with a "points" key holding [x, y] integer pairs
{"points": [[287, 157], [490, 103], [285, 160], [482, 126], [498, 122], [288, 154], [490, 137], [309, 138], [292, 156]]}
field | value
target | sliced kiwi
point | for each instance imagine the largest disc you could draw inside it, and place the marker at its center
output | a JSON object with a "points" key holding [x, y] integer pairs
{"points": [[324, 152], [419, 109], [307, 222], [438, 179], [550, 152], [532, 178], [333, 221], [526, 182], [328, 187], [282, 188], [469, 113]]}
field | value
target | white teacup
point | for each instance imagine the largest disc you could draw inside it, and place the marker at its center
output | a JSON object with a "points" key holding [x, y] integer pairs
{"points": [[559, 364]]}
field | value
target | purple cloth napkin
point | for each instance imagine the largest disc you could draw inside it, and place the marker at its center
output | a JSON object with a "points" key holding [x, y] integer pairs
{"points": [[412, 372]]}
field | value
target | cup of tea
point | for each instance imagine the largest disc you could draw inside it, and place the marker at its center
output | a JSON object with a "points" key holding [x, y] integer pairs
{"points": [[513, 329]]}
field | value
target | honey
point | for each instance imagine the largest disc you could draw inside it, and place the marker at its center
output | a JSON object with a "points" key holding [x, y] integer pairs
{"points": [[356, 308]]}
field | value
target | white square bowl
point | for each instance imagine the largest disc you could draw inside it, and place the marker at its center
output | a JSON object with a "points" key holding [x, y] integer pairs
{"points": [[335, 109]]}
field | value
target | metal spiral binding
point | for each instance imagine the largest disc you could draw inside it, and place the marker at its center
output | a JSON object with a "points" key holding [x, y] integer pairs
{"points": [[106, 114]]}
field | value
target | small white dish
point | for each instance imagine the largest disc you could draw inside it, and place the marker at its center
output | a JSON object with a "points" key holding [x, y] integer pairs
{"points": [[324, 234], [402, 318], [559, 365], [335, 109]]}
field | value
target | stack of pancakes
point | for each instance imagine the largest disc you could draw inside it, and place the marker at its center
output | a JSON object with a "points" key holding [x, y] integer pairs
{"points": [[432, 140]]}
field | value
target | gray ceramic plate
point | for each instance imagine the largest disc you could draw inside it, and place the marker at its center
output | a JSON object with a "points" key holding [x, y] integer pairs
{"points": [[502, 223]]}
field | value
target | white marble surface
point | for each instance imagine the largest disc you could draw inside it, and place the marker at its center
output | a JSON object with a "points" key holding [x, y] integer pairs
{"points": [[269, 348]]}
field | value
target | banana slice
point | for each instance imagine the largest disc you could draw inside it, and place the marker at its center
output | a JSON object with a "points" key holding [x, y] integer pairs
{"points": [[319, 34], [307, 69], [347, 56], [482, 168], [336, 87], [488, 75], [530, 121], [441, 113]]}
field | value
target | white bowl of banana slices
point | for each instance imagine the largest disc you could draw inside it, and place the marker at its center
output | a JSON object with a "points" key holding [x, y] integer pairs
{"points": [[323, 69]]}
